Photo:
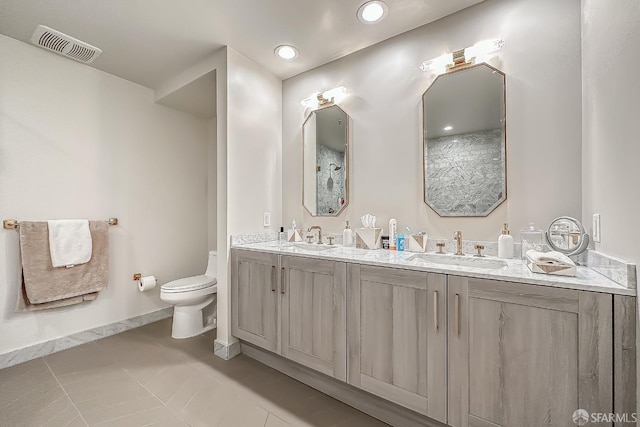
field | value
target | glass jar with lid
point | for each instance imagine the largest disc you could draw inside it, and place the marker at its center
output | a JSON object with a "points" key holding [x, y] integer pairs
{"points": [[531, 238]]}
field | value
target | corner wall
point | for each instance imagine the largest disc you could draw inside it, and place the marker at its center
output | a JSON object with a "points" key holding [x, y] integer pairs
{"points": [[76, 142], [541, 59], [251, 164], [611, 125]]}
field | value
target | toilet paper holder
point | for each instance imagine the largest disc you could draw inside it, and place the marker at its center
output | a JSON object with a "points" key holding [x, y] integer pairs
{"points": [[138, 276]]}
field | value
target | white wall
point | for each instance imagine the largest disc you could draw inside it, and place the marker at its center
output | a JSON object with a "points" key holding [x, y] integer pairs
{"points": [[611, 129], [253, 162], [212, 191], [541, 59], [77, 142]]}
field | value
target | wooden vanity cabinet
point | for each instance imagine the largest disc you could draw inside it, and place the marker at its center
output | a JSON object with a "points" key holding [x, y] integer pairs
{"points": [[526, 355], [466, 352], [291, 306], [254, 298], [397, 337], [313, 314]]}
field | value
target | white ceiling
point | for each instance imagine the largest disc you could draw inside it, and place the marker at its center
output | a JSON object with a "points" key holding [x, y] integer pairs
{"points": [[151, 41]]}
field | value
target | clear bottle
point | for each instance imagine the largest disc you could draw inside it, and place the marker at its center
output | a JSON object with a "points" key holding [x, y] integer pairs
{"points": [[347, 235], [531, 238], [505, 243]]}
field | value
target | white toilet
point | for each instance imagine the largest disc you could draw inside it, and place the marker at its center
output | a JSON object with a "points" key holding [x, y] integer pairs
{"points": [[191, 296]]}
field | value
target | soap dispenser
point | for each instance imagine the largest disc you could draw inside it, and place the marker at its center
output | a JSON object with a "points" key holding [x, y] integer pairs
{"points": [[505, 243], [347, 235]]}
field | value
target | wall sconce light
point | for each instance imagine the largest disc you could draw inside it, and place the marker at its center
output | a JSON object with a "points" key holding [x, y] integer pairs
{"points": [[331, 96], [477, 53]]}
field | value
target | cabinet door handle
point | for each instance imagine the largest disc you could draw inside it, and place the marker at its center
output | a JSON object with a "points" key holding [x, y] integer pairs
{"points": [[435, 309], [457, 313], [282, 281], [273, 278]]}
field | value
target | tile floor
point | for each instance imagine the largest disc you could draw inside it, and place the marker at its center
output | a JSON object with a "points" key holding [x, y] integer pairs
{"points": [[144, 378]]}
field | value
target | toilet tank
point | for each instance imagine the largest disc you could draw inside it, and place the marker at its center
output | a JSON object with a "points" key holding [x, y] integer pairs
{"points": [[212, 267]]}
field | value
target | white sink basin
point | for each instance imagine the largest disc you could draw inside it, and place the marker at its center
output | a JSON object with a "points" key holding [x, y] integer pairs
{"points": [[313, 246], [461, 261]]}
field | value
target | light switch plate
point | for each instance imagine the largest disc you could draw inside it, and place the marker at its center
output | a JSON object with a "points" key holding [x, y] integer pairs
{"points": [[266, 219], [596, 228]]}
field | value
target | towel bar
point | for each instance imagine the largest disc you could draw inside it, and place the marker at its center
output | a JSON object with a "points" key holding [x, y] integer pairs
{"points": [[9, 224]]}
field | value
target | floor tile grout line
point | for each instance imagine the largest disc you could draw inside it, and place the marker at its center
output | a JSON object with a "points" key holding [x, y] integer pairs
{"points": [[65, 392], [51, 403], [157, 398]]}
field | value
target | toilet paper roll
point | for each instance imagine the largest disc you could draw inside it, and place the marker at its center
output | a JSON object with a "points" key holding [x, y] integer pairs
{"points": [[147, 283]]}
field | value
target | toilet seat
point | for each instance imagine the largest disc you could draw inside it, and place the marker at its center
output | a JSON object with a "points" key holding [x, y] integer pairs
{"points": [[189, 284]]}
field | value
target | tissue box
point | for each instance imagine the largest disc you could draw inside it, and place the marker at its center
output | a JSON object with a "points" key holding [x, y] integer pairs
{"points": [[559, 270], [294, 235], [417, 243], [368, 238]]}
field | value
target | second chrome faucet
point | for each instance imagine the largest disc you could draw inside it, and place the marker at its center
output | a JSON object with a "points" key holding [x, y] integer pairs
{"points": [[458, 236]]}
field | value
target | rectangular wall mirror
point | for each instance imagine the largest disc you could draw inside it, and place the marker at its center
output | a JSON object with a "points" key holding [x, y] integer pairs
{"points": [[464, 143], [325, 161]]}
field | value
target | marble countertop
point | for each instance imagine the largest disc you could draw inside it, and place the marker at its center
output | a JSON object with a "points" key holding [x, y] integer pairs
{"points": [[516, 270]]}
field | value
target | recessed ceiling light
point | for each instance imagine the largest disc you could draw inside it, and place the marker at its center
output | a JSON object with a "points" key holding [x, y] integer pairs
{"points": [[286, 52], [447, 128], [372, 11]]}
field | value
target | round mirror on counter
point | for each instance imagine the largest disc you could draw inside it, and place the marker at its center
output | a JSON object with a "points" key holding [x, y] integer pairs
{"points": [[567, 235]]}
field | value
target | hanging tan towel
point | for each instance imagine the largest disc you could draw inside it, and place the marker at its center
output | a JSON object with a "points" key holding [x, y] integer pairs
{"points": [[24, 305], [56, 287]]}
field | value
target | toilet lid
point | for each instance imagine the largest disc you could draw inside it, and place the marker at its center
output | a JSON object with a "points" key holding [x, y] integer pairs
{"points": [[189, 284]]}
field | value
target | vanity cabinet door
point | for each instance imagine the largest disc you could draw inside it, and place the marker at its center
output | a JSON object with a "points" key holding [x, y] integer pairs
{"points": [[525, 355], [254, 298], [397, 337], [313, 314]]}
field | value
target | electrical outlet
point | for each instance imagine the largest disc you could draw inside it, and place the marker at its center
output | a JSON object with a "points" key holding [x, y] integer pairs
{"points": [[266, 219], [596, 228]]}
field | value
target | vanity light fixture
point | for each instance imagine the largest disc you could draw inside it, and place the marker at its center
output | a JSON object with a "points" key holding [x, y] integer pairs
{"points": [[286, 52], [477, 53], [372, 12], [331, 96]]}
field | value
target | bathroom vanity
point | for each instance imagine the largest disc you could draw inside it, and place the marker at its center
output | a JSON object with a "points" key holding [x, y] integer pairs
{"points": [[416, 342]]}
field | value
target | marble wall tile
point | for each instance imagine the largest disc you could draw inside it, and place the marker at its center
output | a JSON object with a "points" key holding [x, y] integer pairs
{"points": [[39, 350], [490, 248], [618, 270], [244, 239], [226, 352]]}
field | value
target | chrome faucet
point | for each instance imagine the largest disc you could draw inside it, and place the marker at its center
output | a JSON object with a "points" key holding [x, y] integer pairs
{"points": [[458, 236], [317, 227]]}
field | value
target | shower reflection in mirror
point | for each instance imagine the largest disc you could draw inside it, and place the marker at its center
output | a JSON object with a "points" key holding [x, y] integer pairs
{"points": [[464, 142], [325, 160]]}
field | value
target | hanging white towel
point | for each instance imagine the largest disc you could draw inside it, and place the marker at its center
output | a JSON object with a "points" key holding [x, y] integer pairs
{"points": [[69, 242]]}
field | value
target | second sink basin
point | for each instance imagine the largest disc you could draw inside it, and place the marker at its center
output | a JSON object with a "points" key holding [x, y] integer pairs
{"points": [[461, 261], [313, 246]]}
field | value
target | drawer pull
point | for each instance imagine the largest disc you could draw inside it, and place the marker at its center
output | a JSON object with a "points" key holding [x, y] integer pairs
{"points": [[273, 278], [282, 281], [435, 309], [457, 313]]}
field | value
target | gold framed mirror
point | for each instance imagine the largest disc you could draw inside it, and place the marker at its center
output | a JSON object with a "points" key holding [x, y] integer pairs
{"points": [[325, 161], [464, 142]]}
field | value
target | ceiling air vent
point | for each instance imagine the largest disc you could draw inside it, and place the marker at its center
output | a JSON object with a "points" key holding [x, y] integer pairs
{"points": [[63, 44]]}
